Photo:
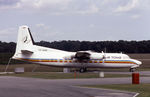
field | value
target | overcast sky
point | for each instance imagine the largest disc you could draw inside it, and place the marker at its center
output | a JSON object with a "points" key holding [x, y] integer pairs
{"points": [[90, 20]]}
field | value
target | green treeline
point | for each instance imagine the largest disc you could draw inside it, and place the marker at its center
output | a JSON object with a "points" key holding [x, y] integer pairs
{"points": [[7, 47], [98, 46]]}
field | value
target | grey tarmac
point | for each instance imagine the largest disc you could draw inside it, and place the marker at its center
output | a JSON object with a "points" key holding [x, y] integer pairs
{"points": [[34, 87]]}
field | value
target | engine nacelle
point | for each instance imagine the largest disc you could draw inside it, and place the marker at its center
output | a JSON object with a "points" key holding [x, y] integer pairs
{"points": [[96, 56]]}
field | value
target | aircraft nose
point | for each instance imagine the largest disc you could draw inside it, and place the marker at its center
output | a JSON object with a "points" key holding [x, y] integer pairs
{"points": [[138, 62]]}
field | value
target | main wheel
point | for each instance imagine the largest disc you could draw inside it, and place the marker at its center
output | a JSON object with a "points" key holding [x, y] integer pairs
{"points": [[83, 70]]}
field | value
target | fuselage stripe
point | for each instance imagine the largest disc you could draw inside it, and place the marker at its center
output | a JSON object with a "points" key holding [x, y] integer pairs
{"points": [[71, 61]]}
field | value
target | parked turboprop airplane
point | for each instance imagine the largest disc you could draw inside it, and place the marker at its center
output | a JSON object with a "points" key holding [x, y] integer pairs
{"points": [[26, 50]]}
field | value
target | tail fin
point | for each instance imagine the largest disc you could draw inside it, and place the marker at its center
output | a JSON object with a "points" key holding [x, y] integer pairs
{"points": [[25, 41]]}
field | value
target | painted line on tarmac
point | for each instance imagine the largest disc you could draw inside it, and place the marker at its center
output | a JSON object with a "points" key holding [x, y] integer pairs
{"points": [[136, 94]]}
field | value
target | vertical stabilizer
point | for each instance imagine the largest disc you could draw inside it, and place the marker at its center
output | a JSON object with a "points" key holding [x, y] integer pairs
{"points": [[25, 41]]}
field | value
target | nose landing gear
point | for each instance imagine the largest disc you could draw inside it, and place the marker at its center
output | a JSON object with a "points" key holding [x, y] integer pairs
{"points": [[132, 69]]}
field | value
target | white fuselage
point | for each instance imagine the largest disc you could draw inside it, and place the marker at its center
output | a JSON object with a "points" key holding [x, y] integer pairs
{"points": [[53, 57]]}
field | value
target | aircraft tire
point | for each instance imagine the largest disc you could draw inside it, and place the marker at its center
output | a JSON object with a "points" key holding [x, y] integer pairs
{"points": [[83, 70], [132, 69]]}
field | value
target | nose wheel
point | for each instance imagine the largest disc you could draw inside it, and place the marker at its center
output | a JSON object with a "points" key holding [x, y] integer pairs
{"points": [[132, 69]]}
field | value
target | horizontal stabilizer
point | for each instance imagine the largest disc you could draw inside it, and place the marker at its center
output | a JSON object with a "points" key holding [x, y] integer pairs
{"points": [[26, 51]]}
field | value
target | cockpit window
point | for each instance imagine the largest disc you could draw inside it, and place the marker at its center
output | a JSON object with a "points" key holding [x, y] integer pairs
{"points": [[126, 57]]}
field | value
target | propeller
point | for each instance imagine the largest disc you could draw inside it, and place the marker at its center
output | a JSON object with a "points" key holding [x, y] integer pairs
{"points": [[104, 56]]}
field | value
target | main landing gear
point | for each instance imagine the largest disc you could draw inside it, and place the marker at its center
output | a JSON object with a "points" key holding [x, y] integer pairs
{"points": [[83, 70]]}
